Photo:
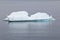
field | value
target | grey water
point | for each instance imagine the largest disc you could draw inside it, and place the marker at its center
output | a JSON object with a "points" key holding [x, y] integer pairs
{"points": [[30, 30]]}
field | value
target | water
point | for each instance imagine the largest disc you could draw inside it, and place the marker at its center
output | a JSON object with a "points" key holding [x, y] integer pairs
{"points": [[30, 30]]}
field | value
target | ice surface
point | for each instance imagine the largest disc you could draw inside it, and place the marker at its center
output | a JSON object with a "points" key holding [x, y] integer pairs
{"points": [[23, 15], [20, 15]]}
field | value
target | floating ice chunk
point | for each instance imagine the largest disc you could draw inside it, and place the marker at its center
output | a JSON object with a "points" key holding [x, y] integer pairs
{"points": [[23, 15], [20, 15], [39, 15]]}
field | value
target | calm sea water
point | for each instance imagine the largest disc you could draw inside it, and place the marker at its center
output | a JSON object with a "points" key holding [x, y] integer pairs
{"points": [[30, 30]]}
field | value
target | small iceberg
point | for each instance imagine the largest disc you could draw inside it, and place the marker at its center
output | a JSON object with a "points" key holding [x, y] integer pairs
{"points": [[22, 16]]}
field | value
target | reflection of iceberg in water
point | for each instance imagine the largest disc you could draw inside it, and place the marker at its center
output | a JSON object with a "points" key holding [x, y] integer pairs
{"points": [[23, 16], [29, 28]]}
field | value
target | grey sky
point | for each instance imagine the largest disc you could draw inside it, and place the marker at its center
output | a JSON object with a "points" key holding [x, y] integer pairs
{"points": [[29, 0]]}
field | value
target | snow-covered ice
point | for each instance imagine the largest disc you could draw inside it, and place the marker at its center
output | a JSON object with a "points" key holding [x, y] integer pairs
{"points": [[23, 15]]}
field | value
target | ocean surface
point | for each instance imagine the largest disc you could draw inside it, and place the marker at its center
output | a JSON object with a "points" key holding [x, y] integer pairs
{"points": [[30, 30]]}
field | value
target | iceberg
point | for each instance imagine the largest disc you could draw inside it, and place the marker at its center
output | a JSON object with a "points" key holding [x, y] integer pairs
{"points": [[23, 16]]}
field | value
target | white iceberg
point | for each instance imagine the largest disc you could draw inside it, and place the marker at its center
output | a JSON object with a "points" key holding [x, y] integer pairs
{"points": [[23, 16]]}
